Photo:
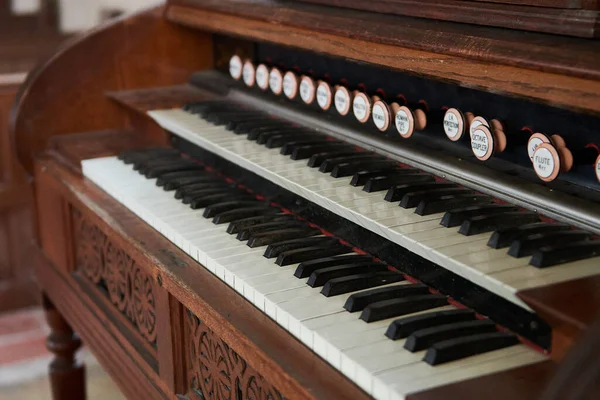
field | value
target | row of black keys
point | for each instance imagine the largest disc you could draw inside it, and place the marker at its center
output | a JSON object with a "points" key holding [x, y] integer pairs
{"points": [[521, 231], [447, 335]]}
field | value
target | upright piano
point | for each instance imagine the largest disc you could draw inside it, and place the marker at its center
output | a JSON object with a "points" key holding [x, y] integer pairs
{"points": [[268, 199]]}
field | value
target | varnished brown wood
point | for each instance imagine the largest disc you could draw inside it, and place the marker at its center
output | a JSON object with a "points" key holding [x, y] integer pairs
{"points": [[570, 20], [505, 63], [65, 94], [569, 4], [569, 307], [527, 382], [67, 375], [249, 332], [142, 100]]}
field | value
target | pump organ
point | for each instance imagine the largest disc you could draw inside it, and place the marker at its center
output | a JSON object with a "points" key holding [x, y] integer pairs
{"points": [[261, 200]]}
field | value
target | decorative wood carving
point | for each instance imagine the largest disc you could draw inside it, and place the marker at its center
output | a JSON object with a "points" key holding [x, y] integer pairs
{"points": [[215, 371], [116, 274]]}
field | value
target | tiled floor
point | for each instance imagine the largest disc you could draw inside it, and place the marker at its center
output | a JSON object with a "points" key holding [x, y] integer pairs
{"points": [[24, 361]]}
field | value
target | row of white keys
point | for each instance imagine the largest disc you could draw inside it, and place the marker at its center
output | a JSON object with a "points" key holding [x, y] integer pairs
{"points": [[359, 350], [467, 256]]}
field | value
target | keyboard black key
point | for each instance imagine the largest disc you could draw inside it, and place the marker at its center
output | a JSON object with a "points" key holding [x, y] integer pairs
{"points": [[129, 157], [265, 238], [217, 184], [412, 200], [162, 163], [276, 248], [352, 167], [489, 223], [202, 197], [234, 123], [306, 268], [504, 237], [143, 165], [242, 213], [254, 128], [316, 160], [301, 152], [262, 135], [402, 306], [218, 208], [163, 179], [281, 140], [321, 276], [380, 183], [217, 198], [361, 177], [422, 339], [269, 227], [562, 254], [396, 193], [456, 349], [359, 301], [528, 245], [329, 164], [267, 132], [352, 283], [174, 184], [403, 327], [155, 172], [241, 225], [310, 253], [288, 148], [456, 216], [445, 203]]}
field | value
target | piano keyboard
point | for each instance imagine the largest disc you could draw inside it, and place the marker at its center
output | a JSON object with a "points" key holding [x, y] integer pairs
{"points": [[388, 335], [404, 206]]}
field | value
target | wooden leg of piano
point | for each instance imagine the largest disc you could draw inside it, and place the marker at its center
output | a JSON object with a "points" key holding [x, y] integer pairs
{"points": [[67, 375]]}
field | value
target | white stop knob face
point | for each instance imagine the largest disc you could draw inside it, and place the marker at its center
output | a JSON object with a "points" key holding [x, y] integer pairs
{"points": [[546, 162], [482, 143], [324, 96], [262, 77], [454, 124], [342, 101], [276, 81], [290, 85], [404, 122], [597, 168], [476, 123], [534, 142], [381, 115], [235, 67], [249, 74], [361, 107], [307, 90]]}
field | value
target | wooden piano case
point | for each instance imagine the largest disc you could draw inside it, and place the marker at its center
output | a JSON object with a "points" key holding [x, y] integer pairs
{"points": [[163, 326]]}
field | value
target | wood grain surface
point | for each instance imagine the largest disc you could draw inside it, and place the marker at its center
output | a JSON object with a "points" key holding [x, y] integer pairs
{"points": [[530, 67]]}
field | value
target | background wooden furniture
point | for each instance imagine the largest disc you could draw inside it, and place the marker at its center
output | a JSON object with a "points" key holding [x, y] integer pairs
{"points": [[23, 40]]}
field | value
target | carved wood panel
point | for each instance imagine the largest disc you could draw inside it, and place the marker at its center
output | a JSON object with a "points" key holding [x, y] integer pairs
{"points": [[216, 372], [116, 274]]}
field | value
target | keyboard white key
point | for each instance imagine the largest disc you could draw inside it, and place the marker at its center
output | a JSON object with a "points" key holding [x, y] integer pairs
{"points": [[467, 256], [357, 349]]}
